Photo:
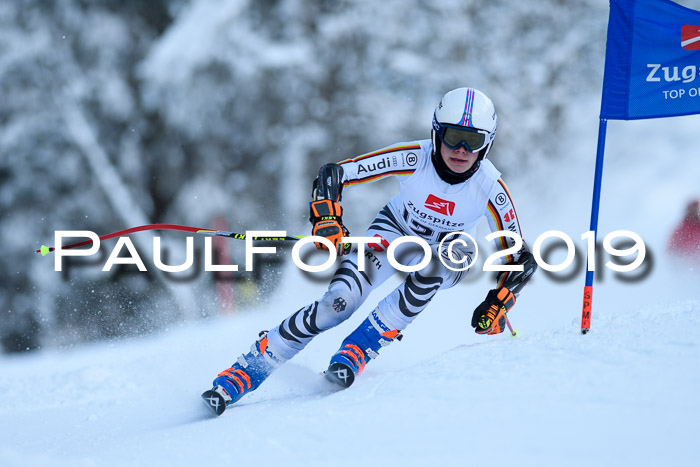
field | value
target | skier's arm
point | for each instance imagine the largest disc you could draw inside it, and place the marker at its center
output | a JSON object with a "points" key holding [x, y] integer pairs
{"points": [[489, 316], [397, 160], [325, 212], [501, 215]]}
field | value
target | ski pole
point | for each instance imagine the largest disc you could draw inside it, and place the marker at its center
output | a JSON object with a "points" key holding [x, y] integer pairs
{"points": [[510, 328], [44, 250]]}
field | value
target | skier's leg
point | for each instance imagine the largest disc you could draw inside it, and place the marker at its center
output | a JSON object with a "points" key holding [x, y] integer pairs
{"points": [[393, 314], [411, 297], [248, 372], [361, 346], [347, 291]]}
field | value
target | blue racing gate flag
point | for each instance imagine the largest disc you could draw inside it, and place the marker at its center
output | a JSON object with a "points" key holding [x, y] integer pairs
{"points": [[652, 60], [652, 70]]}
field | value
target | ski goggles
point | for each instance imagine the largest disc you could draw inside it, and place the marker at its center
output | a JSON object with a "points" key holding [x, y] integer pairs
{"points": [[455, 136]]}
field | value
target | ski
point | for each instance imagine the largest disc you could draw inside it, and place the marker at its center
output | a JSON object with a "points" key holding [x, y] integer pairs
{"points": [[217, 399]]}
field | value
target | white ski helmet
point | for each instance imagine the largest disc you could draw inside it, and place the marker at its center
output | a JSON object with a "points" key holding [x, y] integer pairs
{"points": [[465, 117]]}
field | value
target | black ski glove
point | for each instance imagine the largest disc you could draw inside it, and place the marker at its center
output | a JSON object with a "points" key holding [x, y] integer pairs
{"points": [[490, 316], [327, 220]]}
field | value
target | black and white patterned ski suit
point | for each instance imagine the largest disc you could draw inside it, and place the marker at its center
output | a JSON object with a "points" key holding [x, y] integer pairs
{"points": [[426, 207]]}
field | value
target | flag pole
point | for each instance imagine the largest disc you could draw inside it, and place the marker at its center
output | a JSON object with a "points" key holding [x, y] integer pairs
{"points": [[588, 288]]}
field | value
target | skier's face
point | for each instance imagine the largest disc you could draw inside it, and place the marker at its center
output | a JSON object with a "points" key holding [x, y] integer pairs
{"points": [[458, 160]]}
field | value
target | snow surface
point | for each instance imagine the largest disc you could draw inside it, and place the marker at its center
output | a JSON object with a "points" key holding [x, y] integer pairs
{"points": [[625, 394]]}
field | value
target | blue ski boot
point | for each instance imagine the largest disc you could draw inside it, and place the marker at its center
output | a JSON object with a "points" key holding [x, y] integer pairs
{"points": [[361, 346], [244, 376]]}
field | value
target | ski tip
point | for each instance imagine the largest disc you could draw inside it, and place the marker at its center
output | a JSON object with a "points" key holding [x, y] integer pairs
{"points": [[214, 401]]}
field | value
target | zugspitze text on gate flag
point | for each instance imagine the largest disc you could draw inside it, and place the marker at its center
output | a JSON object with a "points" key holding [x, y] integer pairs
{"points": [[652, 61]]}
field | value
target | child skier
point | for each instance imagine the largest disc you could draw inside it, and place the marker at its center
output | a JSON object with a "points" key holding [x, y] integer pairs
{"points": [[447, 185]]}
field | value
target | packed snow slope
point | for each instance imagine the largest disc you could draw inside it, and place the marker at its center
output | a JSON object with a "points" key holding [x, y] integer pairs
{"points": [[623, 395]]}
